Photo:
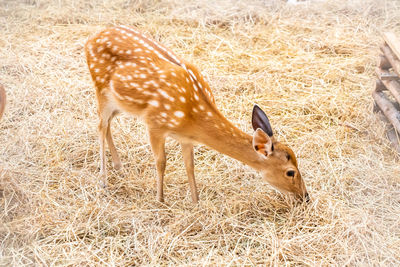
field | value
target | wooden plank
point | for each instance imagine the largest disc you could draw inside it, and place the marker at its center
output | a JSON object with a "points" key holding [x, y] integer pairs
{"points": [[385, 74], [379, 86], [393, 60], [391, 133], [394, 43], [388, 109], [392, 85], [3, 100], [394, 88], [383, 62]]}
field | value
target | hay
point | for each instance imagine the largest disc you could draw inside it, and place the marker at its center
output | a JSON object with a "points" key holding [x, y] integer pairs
{"points": [[310, 66]]}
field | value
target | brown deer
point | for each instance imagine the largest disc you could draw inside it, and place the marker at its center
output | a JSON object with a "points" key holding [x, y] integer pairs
{"points": [[2, 100], [135, 74]]}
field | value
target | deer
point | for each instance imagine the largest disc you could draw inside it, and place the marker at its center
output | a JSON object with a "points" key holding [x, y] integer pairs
{"points": [[2, 100], [135, 74]]}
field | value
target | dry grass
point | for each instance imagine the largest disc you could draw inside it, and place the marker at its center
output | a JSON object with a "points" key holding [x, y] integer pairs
{"points": [[310, 67]]}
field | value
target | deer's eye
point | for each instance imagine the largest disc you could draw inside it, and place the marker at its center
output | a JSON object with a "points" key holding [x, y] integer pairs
{"points": [[290, 173]]}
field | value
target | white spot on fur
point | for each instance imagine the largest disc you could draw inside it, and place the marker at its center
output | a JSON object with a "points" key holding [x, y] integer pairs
{"points": [[163, 93], [179, 114], [154, 103], [174, 122], [134, 85], [192, 74]]}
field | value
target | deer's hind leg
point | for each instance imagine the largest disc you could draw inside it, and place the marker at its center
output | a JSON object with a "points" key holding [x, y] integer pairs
{"points": [[114, 154], [107, 110], [157, 142]]}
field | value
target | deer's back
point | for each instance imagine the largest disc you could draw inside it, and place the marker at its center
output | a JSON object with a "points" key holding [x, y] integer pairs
{"points": [[144, 77]]}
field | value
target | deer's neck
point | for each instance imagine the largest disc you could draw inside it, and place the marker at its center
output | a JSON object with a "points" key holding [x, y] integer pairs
{"points": [[221, 135]]}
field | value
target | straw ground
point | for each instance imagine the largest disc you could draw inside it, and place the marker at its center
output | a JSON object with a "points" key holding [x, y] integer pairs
{"points": [[310, 66]]}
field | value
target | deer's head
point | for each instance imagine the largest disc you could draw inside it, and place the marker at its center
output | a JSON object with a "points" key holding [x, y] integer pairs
{"points": [[278, 162]]}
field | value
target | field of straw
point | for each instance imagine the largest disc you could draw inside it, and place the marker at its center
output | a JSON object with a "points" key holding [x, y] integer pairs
{"points": [[309, 66]]}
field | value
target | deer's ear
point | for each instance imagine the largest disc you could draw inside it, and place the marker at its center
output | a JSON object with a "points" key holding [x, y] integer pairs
{"points": [[262, 143], [260, 120]]}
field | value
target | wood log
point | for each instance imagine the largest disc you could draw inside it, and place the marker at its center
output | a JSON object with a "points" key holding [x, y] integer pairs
{"points": [[379, 86], [385, 75], [391, 133], [393, 136], [393, 60], [3, 100], [383, 62], [392, 85], [394, 43], [388, 109], [394, 88]]}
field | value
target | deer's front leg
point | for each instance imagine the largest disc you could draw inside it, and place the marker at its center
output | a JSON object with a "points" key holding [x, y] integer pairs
{"points": [[103, 170], [188, 158], [157, 143]]}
